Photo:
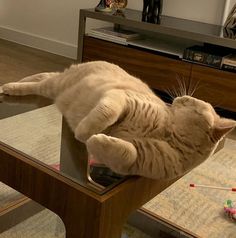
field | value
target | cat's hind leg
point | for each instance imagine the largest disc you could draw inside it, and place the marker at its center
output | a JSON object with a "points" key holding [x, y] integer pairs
{"points": [[28, 85], [39, 77], [24, 88], [115, 153]]}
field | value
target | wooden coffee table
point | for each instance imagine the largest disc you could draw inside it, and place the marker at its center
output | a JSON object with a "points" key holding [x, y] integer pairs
{"points": [[87, 210]]}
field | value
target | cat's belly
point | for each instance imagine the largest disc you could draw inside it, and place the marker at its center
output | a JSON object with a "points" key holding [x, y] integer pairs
{"points": [[126, 129], [127, 132]]}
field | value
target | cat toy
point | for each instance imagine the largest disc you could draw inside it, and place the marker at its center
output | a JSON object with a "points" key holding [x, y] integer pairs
{"points": [[229, 207], [213, 187]]}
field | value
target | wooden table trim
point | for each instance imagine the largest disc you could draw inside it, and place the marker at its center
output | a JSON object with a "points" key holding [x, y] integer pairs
{"points": [[85, 214]]}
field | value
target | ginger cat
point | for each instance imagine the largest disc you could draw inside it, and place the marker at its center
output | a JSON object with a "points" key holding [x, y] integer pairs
{"points": [[124, 124]]}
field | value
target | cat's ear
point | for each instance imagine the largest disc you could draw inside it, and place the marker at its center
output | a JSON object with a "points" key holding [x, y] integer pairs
{"points": [[222, 127]]}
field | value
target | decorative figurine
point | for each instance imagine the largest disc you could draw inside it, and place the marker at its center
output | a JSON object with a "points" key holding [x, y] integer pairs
{"points": [[152, 10], [118, 5], [229, 33], [104, 6], [229, 30], [231, 19]]}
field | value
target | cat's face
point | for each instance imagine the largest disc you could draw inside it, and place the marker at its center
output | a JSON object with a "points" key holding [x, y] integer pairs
{"points": [[198, 125]]}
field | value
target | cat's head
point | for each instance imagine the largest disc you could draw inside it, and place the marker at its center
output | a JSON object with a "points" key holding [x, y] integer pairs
{"points": [[197, 125]]}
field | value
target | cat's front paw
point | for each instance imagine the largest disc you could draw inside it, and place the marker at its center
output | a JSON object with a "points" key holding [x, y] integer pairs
{"points": [[97, 145], [82, 133], [119, 155], [101, 142], [86, 129]]}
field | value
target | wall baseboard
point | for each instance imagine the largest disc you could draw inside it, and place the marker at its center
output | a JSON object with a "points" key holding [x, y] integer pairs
{"points": [[38, 42]]}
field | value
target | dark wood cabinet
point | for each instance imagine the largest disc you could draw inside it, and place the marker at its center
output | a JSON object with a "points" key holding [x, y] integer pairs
{"points": [[159, 72], [215, 86]]}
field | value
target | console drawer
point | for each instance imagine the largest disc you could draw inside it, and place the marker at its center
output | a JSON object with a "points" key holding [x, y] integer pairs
{"points": [[215, 86], [157, 71]]}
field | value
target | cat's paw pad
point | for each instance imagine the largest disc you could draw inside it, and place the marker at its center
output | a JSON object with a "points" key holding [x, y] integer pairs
{"points": [[101, 141], [98, 141], [95, 147], [100, 145]]}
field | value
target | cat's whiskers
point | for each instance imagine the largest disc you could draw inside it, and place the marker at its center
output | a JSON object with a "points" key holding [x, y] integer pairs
{"points": [[179, 90], [181, 85], [170, 93], [196, 86], [193, 88], [182, 89]]}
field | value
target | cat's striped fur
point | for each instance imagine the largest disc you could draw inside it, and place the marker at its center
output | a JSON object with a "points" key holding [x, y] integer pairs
{"points": [[124, 124]]}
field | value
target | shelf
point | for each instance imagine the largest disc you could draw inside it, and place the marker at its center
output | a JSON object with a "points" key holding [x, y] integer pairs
{"points": [[160, 45], [198, 31], [151, 57]]}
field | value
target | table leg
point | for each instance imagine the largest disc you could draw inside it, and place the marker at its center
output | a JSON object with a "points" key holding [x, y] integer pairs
{"points": [[87, 218]]}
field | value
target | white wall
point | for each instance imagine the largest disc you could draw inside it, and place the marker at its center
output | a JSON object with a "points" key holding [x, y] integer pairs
{"points": [[209, 11], [40, 23], [53, 24]]}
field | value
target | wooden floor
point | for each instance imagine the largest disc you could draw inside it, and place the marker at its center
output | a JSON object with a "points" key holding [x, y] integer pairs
{"points": [[17, 61]]}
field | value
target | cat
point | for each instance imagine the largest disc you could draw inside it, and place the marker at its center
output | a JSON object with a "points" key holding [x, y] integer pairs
{"points": [[124, 124]]}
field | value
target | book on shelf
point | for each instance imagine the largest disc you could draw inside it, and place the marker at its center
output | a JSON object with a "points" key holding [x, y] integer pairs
{"points": [[229, 63], [229, 68], [160, 45], [210, 56], [121, 36], [229, 59]]}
